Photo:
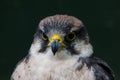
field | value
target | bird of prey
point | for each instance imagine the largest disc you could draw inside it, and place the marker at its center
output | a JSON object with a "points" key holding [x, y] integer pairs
{"points": [[61, 50]]}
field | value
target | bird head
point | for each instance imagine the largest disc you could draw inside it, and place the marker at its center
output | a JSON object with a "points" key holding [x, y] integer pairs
{"points": [[62, 34]]}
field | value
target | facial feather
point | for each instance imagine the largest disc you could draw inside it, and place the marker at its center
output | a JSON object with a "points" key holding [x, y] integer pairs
{"points": [[63, 25]]}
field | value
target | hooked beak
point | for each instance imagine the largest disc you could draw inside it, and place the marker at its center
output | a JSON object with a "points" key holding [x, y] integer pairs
{"points": [[55, 43], [55, 46]]}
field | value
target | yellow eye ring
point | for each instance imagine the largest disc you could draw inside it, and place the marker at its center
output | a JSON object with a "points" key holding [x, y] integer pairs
{"points": [[71, 36], [44, 37]]}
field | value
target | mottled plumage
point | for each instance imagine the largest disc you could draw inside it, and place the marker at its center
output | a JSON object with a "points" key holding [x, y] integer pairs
{"points": [[61, 51]]}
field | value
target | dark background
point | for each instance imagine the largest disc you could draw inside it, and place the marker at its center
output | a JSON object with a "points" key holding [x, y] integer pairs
{"points": [[19, 20]]}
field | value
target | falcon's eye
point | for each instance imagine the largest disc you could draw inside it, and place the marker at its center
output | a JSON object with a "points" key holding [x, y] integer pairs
{"points": [[71, 36], [44, 37]]}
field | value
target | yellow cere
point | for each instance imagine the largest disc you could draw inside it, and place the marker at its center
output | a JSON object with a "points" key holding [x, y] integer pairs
{"points": [[56, 37]]}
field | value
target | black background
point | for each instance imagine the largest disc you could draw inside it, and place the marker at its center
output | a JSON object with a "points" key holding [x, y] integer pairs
{"points": [[19, 20]]}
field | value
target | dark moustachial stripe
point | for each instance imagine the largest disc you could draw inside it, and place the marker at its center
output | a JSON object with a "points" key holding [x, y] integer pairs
{"points": [[72, 50], [43, 42], [81, 34], [44, 46]]}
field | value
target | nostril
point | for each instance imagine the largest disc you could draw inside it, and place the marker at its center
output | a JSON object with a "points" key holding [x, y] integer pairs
{"points": [[58, 40]]}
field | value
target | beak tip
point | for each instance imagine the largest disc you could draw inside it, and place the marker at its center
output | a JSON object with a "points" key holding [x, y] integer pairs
{"points": [[54, 53], [54, 47], [54, 50]]}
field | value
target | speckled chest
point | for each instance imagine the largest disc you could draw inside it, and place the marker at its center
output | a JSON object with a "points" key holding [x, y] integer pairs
{"points": [[53, 69]]}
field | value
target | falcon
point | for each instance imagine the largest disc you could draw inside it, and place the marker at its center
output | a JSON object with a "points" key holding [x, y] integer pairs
{"points": [[61, 50]]}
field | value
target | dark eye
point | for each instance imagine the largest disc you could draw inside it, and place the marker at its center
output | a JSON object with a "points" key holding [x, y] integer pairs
{"points": [[44, 37], [71, 36]]}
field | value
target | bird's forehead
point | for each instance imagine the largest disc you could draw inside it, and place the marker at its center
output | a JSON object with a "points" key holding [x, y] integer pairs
{"points": [[61, 29], [60, 24]]}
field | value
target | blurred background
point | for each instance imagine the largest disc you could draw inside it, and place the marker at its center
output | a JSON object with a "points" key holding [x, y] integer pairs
{"points": [[19, 20]]}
